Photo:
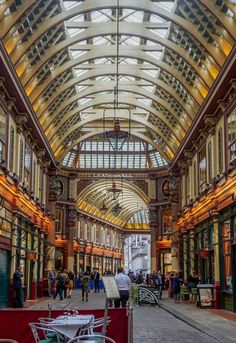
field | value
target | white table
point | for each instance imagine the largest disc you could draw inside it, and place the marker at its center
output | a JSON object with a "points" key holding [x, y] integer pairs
{"points": [[69, 326]]}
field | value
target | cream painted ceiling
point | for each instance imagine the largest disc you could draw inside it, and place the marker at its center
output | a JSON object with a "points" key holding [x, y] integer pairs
{"points": [[65, 54], [170, 53]]}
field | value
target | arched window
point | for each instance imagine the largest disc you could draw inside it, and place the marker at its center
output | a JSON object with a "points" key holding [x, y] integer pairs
{"points": [[209, 153], [220, 150], [2, 135], [11, 148], [21, 161]]}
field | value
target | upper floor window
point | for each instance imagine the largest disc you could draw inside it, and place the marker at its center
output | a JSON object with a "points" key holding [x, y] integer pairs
{"points": [[11, 148], [220, 150], [27, 165], [21, 160], [195, 178], [231, 125], [209, 153], [202, 168], [2, 135]]}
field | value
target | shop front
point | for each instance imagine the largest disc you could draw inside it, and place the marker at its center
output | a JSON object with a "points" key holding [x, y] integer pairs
{"points": [[227, 232]]}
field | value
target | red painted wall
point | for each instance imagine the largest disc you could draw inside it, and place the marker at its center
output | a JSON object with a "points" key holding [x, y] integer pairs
{"points": [[14, 323]]}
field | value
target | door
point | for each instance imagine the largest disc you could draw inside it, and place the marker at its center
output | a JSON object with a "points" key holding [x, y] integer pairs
{"points": [[4, 277]]}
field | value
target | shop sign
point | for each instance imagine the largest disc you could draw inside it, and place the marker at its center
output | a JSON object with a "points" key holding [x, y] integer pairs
{"points": [[205, 295]]}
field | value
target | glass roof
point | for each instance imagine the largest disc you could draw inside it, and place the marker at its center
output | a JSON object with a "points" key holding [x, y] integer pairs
{"points": [[99, 154], [163, 55]]}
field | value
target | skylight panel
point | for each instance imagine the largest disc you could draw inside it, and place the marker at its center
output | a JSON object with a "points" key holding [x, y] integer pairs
{"points": [[132, 16], [102, 61], [79, 72], [135, 41], [74, 31], [99, 17], [76, 53], [70, 4], [99, 40], [156, 54], [144, 101], [129, 61], [167, 5], [84, 100], [160, 32], [151, 72]]}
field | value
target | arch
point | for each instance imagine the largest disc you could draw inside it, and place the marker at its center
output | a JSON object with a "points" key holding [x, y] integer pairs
{"points": [[123, 116], [135, 134]]}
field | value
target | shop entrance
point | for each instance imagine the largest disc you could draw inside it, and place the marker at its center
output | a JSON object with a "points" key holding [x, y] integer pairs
{"points": [[4, 277]]}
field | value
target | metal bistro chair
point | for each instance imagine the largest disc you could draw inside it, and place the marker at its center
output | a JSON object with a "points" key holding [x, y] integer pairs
{"points": [[43, 333], [97, 323], [91, 339]]}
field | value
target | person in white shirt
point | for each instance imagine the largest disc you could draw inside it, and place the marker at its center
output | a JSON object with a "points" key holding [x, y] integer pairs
{"points": [[124, 285]]}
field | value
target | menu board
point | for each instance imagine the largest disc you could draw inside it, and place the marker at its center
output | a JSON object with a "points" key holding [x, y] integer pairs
{"points": [[205, 295], [111, 288]]}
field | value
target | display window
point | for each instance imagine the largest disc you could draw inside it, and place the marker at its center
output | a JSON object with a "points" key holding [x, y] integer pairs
{"points": [[226, 256]]}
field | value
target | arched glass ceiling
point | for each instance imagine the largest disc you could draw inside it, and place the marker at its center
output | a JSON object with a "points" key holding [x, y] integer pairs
{"points": [[135, 154], [170, 53], [131, 199]]}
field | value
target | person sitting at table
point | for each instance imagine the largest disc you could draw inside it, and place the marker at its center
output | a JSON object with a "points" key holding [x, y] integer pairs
{"points": [[85, 285]]}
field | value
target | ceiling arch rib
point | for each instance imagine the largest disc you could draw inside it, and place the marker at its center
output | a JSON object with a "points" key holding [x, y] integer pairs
{"points": [[57, 142], [163, 151], [135, 90], [41, 107], [95, 30], [179, 48], [198, 93], [143, 5]]}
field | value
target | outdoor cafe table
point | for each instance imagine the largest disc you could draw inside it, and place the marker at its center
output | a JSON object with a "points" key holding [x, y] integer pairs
{"points": [[69, 325]]}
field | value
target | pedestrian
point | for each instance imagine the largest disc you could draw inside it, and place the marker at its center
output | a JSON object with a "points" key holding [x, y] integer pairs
{"points": [[96, 276], [140, 278], [51, 282], [176, 288], [17, 285], [70, 287], [124, 285], [60, 282], [85, 285], [159, 282], [66, 282], [192, 283]]}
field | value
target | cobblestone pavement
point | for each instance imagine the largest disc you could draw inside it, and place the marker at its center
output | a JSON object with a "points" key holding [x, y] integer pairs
{"points": [[169, 323]]}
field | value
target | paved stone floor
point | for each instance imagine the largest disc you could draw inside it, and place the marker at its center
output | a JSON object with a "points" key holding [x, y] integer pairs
{"points": [[169, 323]]}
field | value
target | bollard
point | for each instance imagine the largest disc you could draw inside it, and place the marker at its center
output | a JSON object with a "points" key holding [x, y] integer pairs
{"points": [[49, 310], [130, 323]]}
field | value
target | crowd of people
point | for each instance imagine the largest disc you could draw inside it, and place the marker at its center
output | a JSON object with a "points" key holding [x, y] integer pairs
{"points": [[62, 282]]}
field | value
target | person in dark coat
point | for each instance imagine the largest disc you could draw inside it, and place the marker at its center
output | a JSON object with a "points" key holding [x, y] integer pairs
{"points": [[17, 285], [60, 283], [96, 277], [176, 288]]}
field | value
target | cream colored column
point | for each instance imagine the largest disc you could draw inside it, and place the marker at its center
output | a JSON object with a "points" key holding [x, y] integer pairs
{"points": [[153, 249], [191, 250]]}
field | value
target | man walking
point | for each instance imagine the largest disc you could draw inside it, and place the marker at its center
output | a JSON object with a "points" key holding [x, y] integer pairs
{"points": [[17, 284], [96, 281], [124, 285]]}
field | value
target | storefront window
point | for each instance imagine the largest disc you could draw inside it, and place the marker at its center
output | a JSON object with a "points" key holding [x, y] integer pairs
{"points": [[231, 124], [2, 134], [226, 256]]}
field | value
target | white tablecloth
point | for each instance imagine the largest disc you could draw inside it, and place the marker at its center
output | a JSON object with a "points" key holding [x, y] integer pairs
{"points": [[69, 326]]}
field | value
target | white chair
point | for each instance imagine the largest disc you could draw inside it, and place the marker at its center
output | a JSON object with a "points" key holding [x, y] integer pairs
{"points": [[91, 339], [91, 329], [43, 333], [46, 320]]}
